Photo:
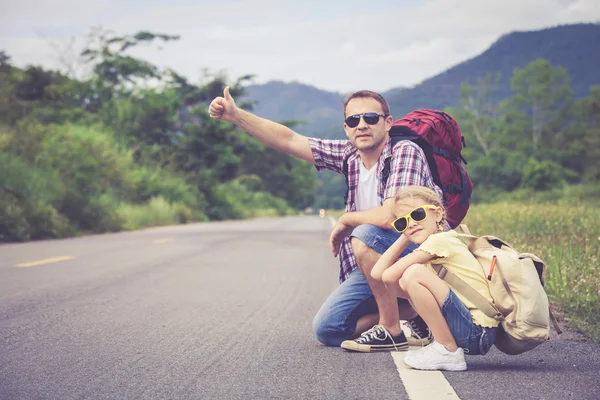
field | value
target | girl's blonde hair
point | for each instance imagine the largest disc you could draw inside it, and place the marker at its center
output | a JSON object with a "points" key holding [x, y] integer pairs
{"points": [[421, 192]]}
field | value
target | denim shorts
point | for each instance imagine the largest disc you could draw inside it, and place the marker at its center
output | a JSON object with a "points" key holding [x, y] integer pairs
{"points": [[353, 298], [473, 338]]}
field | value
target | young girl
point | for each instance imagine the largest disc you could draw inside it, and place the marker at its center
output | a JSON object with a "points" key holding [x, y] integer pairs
{"points": [[457, 326]]}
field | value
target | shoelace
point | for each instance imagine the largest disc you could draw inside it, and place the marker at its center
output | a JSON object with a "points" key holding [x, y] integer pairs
{"points": [[373, 333], [414, 329], [368, 335]]}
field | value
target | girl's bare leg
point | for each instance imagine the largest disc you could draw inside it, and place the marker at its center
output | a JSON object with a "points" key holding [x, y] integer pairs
{"points": [[427, 293]]}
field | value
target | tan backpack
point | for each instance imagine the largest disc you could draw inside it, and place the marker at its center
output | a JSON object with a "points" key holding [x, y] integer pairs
{"points": [[516, 282]]}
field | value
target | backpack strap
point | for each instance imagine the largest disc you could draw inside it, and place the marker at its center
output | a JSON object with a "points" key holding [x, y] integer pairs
{"points": [[483, 304], [385, 172], [345, 173], [464, 229], [463, 182], [554, 322]]}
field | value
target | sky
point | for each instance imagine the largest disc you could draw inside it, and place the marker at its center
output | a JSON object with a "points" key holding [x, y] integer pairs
{"points": [[340, 46]]}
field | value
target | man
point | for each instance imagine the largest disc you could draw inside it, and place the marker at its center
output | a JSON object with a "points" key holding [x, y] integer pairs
{"points": [[360, 307]]}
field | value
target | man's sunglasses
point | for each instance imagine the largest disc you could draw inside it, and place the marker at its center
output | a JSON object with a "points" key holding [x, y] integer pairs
{"points": [[418, 214], [370, 118]]}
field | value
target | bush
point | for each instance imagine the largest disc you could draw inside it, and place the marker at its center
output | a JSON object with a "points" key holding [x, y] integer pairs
{"points": [[92, 168], [155, 212], [148, 183], [233, 200], [27, 195], [542, 175], [502, 169]]}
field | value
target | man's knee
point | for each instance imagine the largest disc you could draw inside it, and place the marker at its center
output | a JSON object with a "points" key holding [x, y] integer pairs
{"points": [[363, 240], [368, 239], [328, 333], [360, 249]]}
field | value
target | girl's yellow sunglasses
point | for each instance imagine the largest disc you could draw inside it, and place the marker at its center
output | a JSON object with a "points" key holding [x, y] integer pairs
{"points": [[418, 214]]}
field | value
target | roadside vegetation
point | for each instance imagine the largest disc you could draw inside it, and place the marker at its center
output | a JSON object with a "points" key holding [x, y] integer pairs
{"points": [[128, 145], [566, 235], [564, 231]]}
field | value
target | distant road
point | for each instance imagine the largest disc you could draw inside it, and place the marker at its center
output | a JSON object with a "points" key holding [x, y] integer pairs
{"points": [[219, 311]]}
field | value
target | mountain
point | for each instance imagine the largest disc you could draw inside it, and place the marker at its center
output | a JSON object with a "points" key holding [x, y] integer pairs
{"points": [[568, 46], [574, 47], [315, 109]]}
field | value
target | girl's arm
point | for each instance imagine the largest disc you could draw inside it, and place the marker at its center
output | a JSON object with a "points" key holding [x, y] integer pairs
{"points": [[394, 272], [389, 257]]}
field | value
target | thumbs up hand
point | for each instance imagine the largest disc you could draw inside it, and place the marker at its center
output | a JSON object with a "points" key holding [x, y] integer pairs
{"points": [[223, 107]]}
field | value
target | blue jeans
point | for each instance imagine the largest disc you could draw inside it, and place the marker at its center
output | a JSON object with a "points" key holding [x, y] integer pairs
{"points": [[471, 337], [353, 298]]}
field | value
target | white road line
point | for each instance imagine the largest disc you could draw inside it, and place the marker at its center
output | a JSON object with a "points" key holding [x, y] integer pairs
{"points": [[424, 385], [420, 385]]}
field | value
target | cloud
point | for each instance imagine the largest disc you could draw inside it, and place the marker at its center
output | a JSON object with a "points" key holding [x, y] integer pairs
{"points": [[336, 45]]}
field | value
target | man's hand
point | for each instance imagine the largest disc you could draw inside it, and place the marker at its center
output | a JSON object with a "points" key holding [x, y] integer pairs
{"points": [[338, 234], [224, 107]]}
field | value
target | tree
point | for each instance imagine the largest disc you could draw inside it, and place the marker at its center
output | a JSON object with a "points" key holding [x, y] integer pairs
{"points": [[542, 93], [6, 86], [113, 67], [479, 111], [584, 137]]}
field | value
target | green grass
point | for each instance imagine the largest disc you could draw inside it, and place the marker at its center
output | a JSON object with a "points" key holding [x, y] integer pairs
{"points": [[567, 237], [156, 212]]}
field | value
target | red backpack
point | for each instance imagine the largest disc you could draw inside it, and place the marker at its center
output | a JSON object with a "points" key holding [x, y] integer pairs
{"points": [[438, 134]]}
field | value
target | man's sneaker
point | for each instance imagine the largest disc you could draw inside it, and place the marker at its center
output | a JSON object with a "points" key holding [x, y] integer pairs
{"points": [[376, 339], [436, 357], [417, 335]]}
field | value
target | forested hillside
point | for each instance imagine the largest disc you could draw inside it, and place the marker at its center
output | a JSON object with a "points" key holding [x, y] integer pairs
{"points": [[315, 110], [572, 47], [538, 140], [128, 147], [502, 110], [132, 145]]}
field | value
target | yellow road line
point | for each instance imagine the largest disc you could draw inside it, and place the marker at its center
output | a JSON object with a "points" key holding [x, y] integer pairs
{"points": [[423, 385], [167, 240], [44, 261]]}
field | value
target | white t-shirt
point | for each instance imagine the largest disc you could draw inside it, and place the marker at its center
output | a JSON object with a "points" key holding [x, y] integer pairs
{"points": [[366, 194]]}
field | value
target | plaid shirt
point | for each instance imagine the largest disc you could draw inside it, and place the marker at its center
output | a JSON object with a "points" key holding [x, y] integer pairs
{"points": [[407, 167]]}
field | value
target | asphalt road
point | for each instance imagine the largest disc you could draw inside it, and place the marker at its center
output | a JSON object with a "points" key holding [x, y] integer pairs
{"points": [[217, 311]]}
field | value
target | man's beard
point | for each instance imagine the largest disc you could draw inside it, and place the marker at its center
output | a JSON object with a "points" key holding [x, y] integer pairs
{"points": [[372, 145]]}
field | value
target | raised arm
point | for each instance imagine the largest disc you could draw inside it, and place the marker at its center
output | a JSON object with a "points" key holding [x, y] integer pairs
{"points": [[271, 133]]}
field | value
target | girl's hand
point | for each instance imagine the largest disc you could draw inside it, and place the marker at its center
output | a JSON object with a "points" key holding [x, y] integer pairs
{"points": [[388, 258]]}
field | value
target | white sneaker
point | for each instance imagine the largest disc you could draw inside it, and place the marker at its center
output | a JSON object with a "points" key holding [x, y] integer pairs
{"points": [[436, 357]]}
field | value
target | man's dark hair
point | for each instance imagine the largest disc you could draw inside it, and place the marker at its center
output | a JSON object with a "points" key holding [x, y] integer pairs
{"points": [[361, 94]]}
